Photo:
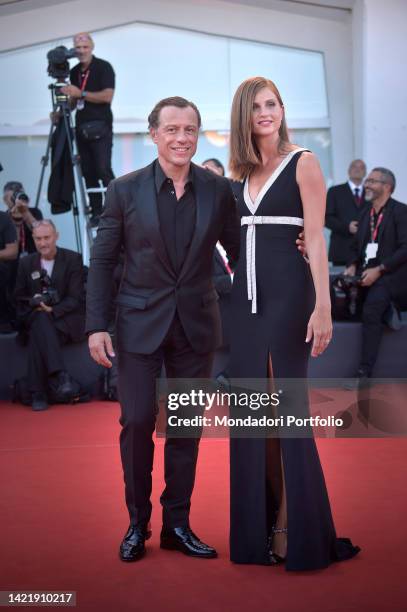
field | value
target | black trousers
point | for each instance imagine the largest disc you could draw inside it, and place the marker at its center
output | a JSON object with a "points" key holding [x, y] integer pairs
{"points": [[96, 164], [44, 350], [137, 395], [377, 299]]}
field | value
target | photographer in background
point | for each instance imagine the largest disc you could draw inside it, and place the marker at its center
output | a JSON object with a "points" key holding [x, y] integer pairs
{"points": [[8, 254], [91, 92], [50, 306], [22, 215], [379, 254]]}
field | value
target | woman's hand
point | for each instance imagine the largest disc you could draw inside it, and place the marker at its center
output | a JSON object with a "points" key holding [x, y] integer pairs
{"points": [[320, 329]]}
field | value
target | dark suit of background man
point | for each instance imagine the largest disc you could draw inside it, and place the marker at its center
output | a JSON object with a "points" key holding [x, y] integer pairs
{"points": [[344, 205], [91, 90], [8, 254], [50, 325], [168, 217], [380, 250]]}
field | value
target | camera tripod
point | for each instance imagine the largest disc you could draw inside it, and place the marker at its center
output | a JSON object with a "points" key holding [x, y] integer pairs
{"points": [[80, 206]]}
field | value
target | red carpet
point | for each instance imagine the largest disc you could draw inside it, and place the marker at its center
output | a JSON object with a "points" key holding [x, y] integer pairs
{"points": [[62, 517]]}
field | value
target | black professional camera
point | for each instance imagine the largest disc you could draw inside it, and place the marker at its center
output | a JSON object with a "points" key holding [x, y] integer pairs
{"points": [[345, 297], [58, 65], [48, 295], [20, 195]]}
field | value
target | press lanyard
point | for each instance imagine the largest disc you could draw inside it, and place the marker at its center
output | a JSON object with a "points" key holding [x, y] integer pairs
{"points": [[374, 229], [84, 79]]}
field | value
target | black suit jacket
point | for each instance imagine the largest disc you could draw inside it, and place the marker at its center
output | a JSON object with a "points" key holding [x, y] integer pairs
{"points": [[392, 249], [67, 278], [150, 290], [341, 209]]}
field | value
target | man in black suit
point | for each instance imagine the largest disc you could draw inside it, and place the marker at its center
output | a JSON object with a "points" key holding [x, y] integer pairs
{"points": [[344, 205], [50, 306], [169, 217], [379, 253]]}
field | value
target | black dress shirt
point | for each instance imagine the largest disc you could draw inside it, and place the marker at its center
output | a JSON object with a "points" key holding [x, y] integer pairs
{"points": [[177, 217]]}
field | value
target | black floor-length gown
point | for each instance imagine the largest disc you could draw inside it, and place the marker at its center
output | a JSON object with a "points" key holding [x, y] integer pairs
{"points": [[272, 300]]}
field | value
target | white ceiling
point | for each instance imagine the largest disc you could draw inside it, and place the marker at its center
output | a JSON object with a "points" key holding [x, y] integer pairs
{"points": [[333, 4]]}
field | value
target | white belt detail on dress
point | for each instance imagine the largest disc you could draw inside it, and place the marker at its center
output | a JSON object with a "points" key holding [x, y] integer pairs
{"points": [[251, 221]]}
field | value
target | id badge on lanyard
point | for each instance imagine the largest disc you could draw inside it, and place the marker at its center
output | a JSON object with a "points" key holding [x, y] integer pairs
{"points": [[372, 246], [80, 105]]}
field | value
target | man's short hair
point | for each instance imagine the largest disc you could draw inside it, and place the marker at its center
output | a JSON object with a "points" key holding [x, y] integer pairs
{"points": [[13, 186], [44, 222], [154, 116], [387, 176]]}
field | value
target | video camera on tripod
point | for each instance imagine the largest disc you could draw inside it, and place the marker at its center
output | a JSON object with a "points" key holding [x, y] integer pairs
{"points": [[58, 65], [58, 68]]}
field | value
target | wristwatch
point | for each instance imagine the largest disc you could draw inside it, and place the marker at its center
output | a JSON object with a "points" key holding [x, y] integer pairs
{"points": [[83, 94], [382, 269]]}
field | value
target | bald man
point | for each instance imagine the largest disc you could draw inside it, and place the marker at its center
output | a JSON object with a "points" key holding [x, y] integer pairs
{"points": [[344, 206], [91, 92]]}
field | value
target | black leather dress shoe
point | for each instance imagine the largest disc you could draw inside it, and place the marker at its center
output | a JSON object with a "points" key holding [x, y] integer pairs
{"points": [[132, 547], [184, 540]]}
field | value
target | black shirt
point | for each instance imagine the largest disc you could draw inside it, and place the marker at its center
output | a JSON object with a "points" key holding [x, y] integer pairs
{"points": [[101, 76], [177, 217], [7, 230], [25, 238]]}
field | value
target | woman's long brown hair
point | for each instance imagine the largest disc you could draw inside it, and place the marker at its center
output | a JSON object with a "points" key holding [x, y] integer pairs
{"points": [[244, 154]]}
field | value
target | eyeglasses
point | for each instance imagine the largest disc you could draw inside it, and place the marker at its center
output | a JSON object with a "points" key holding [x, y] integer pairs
{"points": [[372, 180]]}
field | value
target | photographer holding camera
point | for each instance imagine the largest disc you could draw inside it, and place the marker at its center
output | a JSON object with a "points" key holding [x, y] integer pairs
{"points": [[22, 215], [379, 254], [91, 93], [50, 307]]}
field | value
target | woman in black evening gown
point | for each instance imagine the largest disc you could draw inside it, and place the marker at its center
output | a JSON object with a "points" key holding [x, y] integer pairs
{"points": [[280, 509]]}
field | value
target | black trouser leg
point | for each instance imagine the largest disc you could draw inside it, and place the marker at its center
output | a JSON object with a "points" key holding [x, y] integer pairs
{"points": [[96, 163], [376, 302], [180, 454], [137, 395], [44, 351]]}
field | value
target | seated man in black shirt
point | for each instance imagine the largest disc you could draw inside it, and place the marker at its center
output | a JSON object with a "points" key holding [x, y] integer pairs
{"points": [[8, 253], [379, 253], [50, 305], [91, 92]]}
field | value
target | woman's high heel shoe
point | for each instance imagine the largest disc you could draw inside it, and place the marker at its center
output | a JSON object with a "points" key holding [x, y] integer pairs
{"points": [[274, 558]]}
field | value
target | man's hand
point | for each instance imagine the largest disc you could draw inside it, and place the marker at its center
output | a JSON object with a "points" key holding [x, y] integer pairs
{"points": [[44, 307], [72, 91], [350, 270], [100, 346], [300, 242], [353, 227], [370, 276], [55, 116], [20, 207]]}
